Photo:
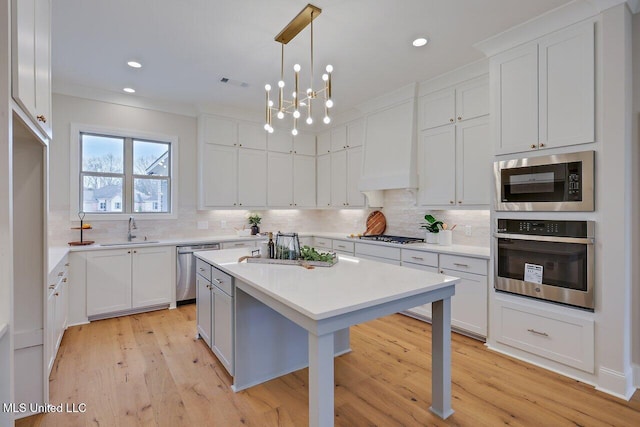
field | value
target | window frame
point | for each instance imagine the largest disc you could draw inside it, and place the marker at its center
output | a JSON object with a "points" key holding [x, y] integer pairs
{"points": [[129, 135]]}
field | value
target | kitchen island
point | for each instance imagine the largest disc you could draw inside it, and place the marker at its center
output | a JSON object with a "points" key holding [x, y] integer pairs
{"points": [[323, 303]]}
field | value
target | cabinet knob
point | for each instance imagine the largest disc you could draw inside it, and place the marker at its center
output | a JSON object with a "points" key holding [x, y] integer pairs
{"points": [[459, 117], [64, 280], [41, 118], [61, 274], [533, 145], [441, 271], [66, 265], [451, 120], [52, 286], [135, 252], [459, 202], [57, 294], [240, 204], [451, 202], [234, 204], [542, 144], [128, 252]]}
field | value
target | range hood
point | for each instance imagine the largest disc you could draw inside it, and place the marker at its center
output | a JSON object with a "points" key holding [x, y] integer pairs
{"points": [[390, 145]]}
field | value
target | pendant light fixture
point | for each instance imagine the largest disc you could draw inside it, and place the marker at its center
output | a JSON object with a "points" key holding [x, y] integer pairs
{"points": [[299, 100]]}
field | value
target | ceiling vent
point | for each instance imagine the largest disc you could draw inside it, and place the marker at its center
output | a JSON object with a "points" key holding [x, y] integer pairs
{"points": [[233, 82]]}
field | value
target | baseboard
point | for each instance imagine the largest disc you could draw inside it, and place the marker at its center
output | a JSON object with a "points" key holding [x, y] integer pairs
{"points": [[636, 375], [616, 383]]}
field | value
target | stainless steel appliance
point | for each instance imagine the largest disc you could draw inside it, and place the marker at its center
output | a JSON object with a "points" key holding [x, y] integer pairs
{"points": [[560, 182], [186, 271], [550, 260], [392, 239]]}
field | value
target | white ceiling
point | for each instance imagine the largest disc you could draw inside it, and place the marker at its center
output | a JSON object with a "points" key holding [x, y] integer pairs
{"points": [[187, 46]]}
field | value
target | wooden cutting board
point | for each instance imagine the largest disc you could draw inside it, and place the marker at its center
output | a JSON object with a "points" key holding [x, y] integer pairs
{"points": [[376, 223]]}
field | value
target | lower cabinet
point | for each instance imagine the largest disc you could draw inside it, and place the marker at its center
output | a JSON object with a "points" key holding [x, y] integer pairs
{"points": [[119, 280], [57, 311], [378, 253], [214, 303]]}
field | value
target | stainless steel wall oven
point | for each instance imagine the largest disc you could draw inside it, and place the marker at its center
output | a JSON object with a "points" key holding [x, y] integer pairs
{"points": [[549, 260], [560, 182]]}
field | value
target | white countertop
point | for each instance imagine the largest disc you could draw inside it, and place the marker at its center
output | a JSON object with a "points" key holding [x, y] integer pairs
{"points": [[325, 292]]}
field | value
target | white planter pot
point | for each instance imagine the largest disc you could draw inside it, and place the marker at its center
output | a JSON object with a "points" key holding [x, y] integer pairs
{"points": [[432, 237]]}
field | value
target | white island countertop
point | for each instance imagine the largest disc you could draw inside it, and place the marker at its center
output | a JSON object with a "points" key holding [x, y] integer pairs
{"points": [[324, 292]]}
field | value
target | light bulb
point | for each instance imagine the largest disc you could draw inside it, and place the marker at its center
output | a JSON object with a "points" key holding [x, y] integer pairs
{"points": [[267, 87], [420, 42], [270, 129], [326, 120], [281, 83], [280, 115], [270, 103], [309, 91], [296, 68], [329, 103], [325, 77], [309, 120], [293, 95], [296, 114], [294, 131], [266, 127], [329, 68]]}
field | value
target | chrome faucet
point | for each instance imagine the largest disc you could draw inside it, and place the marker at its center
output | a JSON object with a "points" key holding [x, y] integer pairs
{"points": [[132, 226]]}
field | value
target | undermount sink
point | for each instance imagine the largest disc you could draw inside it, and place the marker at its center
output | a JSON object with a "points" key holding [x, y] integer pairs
{"points": [[129, 243]]}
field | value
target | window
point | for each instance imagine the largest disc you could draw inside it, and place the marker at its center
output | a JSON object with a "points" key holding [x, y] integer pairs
{"points": [[124, 174]]}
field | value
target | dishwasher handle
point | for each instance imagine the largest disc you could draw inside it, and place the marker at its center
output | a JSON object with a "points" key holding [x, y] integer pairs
{"points": [[195, 248]]}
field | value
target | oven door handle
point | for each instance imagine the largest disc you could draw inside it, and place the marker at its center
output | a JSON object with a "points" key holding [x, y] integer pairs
{"points": [[579, 240]]}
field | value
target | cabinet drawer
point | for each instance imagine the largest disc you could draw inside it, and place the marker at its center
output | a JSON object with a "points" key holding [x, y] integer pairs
{"points": [[203, 269], [321, 242], [222, 280], [235, 245], [342, 246], [377, 251], [429, 268], [462, 263], [419, 257], [59, 273], [562, 338]]}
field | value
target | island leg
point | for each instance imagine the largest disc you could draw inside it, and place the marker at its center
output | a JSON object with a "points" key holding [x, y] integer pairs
{"points": [[441, 358], [321, 380]]}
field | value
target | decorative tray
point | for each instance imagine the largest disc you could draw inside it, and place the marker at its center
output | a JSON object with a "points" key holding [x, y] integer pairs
{"points": [[82, 243], [300, 262]]}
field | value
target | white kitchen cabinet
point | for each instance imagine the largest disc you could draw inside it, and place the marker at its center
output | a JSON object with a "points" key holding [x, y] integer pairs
{"points": [[251, 135], [119, 280], [339, 138], [346, 166], [240, 244], [374, 252], [305, 144], [291, 180], [219, 185], [454, 165], [544, 92], [343, 247], [354, 169], [323, 180], [280, 141], [465, 101], [218, 130], [323, 142], [204, 300], [31, 60], [322, 243], [284, 142], [57, 311], [252, 174], [355, 133], [222, 328]]}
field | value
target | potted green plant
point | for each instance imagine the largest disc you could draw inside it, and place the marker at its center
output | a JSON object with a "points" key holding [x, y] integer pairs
{"points": [[432, 227], [254, 219]]}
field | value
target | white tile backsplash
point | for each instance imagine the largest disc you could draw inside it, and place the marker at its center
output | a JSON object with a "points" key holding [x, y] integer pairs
{"points": [[402, 215]]}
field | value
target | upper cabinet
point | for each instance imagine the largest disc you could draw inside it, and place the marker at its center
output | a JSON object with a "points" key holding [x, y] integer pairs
{"points": [[31, 60], [284, 142], [543, 93], [456, 104]]}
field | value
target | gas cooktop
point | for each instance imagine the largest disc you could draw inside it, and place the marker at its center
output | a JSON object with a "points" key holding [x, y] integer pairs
{"points": [[392, 239]]}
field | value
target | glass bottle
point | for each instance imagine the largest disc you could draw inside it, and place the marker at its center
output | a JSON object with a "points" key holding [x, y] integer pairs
{"points": [[272, 252]]}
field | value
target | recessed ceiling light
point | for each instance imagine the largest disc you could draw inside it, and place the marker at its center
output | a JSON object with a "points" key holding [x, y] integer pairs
{"points": [[134, 64], [129, 90], [420, 42]]}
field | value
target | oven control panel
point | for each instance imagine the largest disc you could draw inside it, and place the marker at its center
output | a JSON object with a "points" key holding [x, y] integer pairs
{"points": [[546, 227]]}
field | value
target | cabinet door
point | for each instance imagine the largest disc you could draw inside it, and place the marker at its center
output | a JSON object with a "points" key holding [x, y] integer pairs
{"points": [[304, 143], [515, 112], [61, 302], [425, 309], [252, 177], [203, 308], [50, 331], [323, 181], [219, 131], [355, 133], [469, 304], [152, 276], [567, 87], [437, 166], [43, 65], [339, 178], [354, 171], [304, 181], [324, 142], [437, 109], [108, 281], [280, 179], [338, 138], [473, 162], [280, 140], [223, 328], [251, 135], [23, 49], [472, 99], [219, 186]]}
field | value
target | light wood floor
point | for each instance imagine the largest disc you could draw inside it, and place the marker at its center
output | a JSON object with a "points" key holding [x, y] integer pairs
{"points": [[148, 370]]}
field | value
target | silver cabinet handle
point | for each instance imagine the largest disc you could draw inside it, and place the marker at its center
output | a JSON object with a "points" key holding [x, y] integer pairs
{"points": [[461, 265], [342, 246], [419, 258], [238, 244], [218, 281], [533, 331], [61, 274], [201, 269]]}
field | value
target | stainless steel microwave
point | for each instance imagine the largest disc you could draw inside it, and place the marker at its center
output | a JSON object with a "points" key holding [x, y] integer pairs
{"points": [[559, 182]]}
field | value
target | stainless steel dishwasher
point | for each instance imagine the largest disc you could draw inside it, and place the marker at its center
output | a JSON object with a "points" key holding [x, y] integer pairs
{"points": [[186, 271]]}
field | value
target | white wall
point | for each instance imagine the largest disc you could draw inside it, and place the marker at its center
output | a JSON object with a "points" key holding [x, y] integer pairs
{"points": [[635, 229]]}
